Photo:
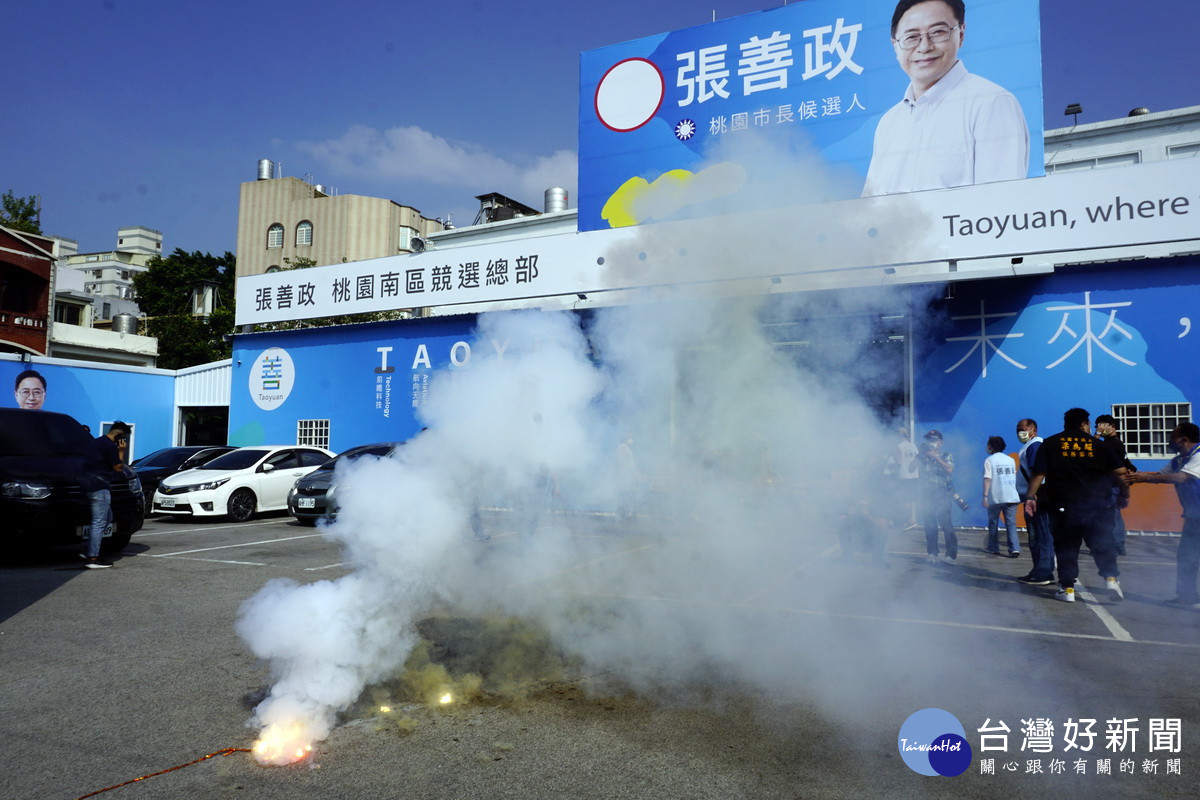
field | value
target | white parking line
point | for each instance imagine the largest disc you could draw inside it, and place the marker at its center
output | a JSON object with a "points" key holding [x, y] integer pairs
{"points": [[205, 529], [1109, 621], [213, 560], [228, 546], [327, 566]]}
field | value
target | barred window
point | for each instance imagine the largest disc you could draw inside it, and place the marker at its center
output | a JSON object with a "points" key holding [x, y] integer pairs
{"points": [[313, 432], [275, 236], [304, 234], [1146, 427]]}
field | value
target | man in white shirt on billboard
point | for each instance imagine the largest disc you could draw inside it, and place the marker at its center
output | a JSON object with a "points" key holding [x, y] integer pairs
{"points": [[951, 128]]}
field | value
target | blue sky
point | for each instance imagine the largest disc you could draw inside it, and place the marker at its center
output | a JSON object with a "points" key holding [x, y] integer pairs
{"points": [[143, 112]]}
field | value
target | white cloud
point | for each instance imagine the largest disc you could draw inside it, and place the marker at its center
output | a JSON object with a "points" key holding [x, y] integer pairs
{"points": [[413, 154]]}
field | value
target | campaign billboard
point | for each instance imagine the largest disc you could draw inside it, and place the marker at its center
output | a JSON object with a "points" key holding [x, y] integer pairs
{"points": [[792, 104]]}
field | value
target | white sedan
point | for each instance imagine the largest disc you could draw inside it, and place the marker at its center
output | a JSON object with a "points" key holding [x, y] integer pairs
{"points": [[238, 484]]}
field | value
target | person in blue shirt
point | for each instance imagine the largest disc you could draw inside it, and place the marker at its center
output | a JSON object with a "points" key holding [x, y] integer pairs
{"points": [[1037, 525], [1183, 472]]}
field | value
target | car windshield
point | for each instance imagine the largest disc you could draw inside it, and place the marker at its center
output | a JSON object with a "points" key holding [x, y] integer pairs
{"points": [[355, 453], [171, 457], [237, 459]]}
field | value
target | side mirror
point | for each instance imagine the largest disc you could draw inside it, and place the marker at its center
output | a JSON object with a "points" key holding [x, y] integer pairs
{"points": [[267, 468]]}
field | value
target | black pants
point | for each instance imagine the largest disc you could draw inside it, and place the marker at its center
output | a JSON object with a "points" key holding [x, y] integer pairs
{"points": [[1075, 526]]}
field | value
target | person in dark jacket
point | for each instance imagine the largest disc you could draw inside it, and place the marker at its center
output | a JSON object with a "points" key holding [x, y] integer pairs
{"points": [[102, 460]]}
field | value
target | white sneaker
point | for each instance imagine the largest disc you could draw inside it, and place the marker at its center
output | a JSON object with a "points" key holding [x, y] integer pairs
{"points": [[1114, 589], [1066, 595], [933, 559]]}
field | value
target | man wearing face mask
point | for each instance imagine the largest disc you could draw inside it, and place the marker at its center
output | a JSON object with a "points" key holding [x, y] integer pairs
{"points": [[1183, 472], [937, 488], [1037, 525], [1106, 429]]}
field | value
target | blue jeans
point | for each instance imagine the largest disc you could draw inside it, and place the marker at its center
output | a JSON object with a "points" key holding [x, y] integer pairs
{"points": [[935, 513], [101, 503], [1187, 561], [1009, 510], [1041, 546]]}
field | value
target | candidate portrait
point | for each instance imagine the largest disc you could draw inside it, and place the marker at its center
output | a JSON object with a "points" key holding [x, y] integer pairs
{"points": [[951, 127]]}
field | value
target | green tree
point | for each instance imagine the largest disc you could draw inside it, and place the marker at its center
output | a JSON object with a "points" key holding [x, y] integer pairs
{"points": [[164, 293], [20, 213]]}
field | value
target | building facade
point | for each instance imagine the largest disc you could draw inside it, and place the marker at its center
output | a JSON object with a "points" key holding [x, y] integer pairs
{"points": [[108, 276], [26, 271], [285, 220]]}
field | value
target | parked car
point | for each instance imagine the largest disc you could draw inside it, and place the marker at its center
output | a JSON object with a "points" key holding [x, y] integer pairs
{"points": [[315, 495], [153, 468], [42, 457], [239, 483]]}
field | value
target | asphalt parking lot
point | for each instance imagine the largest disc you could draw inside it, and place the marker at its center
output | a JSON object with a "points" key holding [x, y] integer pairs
{"points": [[113, 675]]}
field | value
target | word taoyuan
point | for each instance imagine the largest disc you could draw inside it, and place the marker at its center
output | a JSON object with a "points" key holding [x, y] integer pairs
{"points": [[998, 226]]}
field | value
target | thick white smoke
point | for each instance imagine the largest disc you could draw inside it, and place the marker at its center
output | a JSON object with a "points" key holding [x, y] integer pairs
{"points": [[671, 484]]}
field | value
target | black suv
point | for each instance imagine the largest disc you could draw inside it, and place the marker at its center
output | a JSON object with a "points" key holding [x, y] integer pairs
{"points": [[41, 503]]}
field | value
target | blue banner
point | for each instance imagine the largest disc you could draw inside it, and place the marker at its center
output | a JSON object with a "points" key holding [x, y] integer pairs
{"points": [[788, 106]]}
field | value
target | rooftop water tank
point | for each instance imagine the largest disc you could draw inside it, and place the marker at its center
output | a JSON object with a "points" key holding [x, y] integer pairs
{"points": [[556, 199], [265, 168], [124, 323]]}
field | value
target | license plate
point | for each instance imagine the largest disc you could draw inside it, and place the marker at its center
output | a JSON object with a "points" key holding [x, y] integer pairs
{"points": [[167, 502], [306, 502], [84, 531]]}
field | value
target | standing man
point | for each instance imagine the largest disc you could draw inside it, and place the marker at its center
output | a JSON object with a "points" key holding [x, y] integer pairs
{"points": [[103, 460], [30, 390], [1000, 497], [1106, 429], [1081, 472], [1037, 525], [1183, 472], [937, 486], [951, 128], [906, 471]]}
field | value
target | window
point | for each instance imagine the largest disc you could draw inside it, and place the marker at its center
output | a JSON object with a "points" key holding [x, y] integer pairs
{"points": [[314, 432], [275, 236], [312, 458], [1146, 427], [304, 234], [1121, 160], [284, 459], [67, 314], [273, 268]]}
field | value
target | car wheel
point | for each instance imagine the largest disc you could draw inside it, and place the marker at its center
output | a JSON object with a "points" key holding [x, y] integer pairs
{"points": [[241, 505]]}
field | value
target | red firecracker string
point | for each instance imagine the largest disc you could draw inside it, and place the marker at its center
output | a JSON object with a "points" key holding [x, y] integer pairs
{"points": [[225, 752]]}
